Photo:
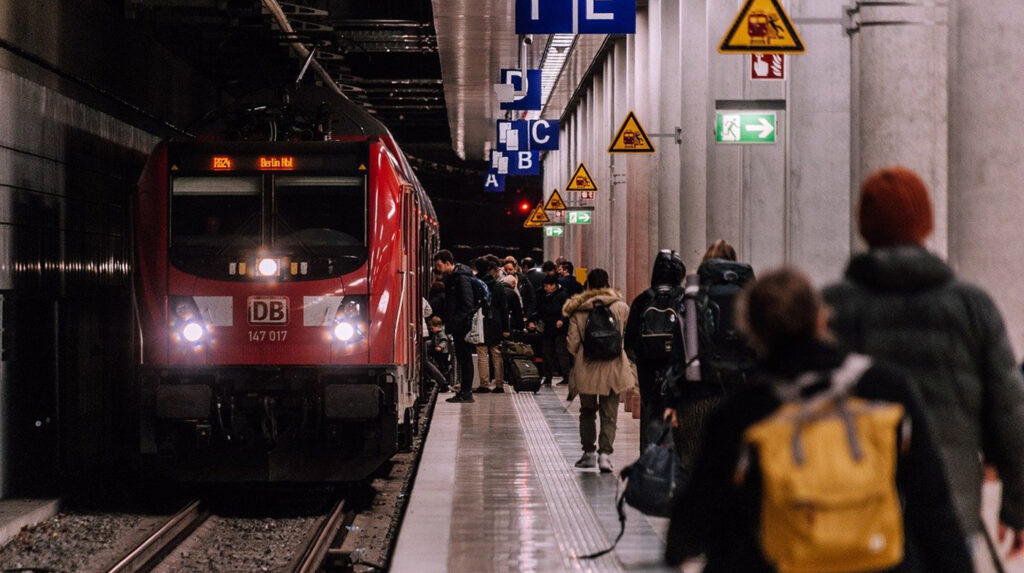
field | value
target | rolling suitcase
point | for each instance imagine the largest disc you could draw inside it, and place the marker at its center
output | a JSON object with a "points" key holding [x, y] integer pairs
{"points": [[520, 371]]}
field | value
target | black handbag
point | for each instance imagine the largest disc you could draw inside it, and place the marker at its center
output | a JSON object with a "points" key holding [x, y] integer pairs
{"points": [[652, 483]]}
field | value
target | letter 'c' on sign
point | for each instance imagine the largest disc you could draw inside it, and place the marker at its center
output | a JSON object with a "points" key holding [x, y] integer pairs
{"points": [[537, 137], [592, 15]]}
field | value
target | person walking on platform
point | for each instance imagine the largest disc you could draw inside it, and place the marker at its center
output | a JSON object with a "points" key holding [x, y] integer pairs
{"points": [[526, 292], [602, 370], [459, 306], [901, 304], [554, 329], [488, 354], [654, 334], [567, 278], [780, 511]]}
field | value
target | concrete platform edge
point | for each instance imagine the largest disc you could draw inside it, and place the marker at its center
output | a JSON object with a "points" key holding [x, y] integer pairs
{"points": [[10, 529]]}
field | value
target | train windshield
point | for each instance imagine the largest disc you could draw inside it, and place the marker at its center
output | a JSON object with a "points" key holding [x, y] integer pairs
{"points": [[213, 214], [322, 216]]}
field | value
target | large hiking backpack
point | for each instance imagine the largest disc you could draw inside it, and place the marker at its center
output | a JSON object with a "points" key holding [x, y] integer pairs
{"points": [[660, 324], [722, 349], [481, 296], [602, 337], [828, 476]]}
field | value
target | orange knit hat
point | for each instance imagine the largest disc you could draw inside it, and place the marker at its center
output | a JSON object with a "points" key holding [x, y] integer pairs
{"points": [[895, 208]]}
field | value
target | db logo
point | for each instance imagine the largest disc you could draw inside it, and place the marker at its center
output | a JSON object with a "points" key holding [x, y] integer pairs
{"points": [[268, 310]]}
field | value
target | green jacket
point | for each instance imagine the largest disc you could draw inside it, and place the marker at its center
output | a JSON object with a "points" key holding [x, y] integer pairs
{"points": [[902, 305]]}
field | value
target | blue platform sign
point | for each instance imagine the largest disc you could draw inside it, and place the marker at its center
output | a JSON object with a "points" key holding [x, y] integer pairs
{"points": [[494, 182], [515, 162], [531, 99], [531, 135], [575, 16]]}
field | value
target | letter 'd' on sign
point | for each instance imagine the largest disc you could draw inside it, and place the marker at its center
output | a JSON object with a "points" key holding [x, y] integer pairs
{"points": [[268, 310]]}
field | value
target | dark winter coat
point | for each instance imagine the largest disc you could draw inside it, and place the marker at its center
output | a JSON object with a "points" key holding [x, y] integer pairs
{"points": [[668, 274], [536, 278], [903, 306], [549, 312], [527, 294], [721, 519], [458, 300], [570, 284], [516, 318], [496, 321]]}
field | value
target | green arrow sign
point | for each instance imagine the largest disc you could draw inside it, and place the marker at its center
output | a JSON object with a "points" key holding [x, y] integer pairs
{"points": [[578, 217], [744, 127], [554, 230]]}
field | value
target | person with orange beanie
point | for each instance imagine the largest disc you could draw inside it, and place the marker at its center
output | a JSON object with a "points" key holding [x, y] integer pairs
{"points": [[902, 305]]}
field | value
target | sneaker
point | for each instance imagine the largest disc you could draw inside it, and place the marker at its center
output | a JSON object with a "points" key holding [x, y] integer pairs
{"points": [[563, 382], [482, 390], [546, 382], [604, 461], [498, 390], [588, 460]]}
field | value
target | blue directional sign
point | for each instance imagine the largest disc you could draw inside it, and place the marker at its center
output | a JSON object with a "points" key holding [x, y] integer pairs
{"points": [[515, 162], [532, 135], [575, 16], [494, 183], [531, 99]]}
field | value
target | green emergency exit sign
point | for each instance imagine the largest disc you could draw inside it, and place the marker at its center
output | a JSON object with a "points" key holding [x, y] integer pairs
{"points": [[578, 217], [745, 127], [554, 230]]}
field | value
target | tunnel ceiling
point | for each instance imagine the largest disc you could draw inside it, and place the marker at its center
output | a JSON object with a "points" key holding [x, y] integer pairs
{"points": [[383, 52]]}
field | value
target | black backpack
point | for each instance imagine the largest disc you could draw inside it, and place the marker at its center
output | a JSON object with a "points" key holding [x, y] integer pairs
{"points": [[481, 296], [722, 349], [602, 338], [660, 324]]}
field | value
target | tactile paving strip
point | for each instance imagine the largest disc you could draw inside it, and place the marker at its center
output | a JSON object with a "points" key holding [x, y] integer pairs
{"points": [[576, 526]]}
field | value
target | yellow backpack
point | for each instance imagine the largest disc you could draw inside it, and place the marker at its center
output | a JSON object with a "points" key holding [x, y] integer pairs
{"points": [[828, 463]]}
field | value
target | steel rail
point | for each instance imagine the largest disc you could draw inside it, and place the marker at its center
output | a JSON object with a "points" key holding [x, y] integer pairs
{"points": [[149, 553], [316, 551]]}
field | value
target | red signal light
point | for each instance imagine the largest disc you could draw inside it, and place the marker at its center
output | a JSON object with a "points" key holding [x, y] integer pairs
{"points": [[524, 206]]}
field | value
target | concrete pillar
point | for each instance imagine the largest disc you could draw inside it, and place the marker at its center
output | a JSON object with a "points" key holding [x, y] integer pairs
{"points": [[985, 199], [668, 117], [693, 103], [899, 98], [617, 190], [640, 225], [649, 96]]}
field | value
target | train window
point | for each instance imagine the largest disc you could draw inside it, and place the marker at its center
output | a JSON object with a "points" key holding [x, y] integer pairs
{"points": [[321, 215], [215, 212]]}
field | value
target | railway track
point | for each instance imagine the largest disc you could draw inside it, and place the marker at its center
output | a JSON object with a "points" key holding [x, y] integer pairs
{"points": [[152, 551]]}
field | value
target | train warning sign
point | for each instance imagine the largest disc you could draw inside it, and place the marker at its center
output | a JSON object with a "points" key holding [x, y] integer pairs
{"points": [[762, 26], [555, 202], [581, 180], [631, 137], [537, 217]]}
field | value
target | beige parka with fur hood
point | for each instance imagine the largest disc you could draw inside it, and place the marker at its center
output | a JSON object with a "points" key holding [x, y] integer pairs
{"points": [[599, 377]]}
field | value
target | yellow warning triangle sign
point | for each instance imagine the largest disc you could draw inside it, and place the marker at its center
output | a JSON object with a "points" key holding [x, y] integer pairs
{"points": [[581, 180], [631, 137], [537, 217], [762, 26], [555, 202]]}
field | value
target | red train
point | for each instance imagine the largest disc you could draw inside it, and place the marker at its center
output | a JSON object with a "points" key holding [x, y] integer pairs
{"points": [[280, 260]]}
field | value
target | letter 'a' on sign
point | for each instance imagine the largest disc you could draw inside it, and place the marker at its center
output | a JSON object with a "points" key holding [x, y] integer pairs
{"points": [[762, 26], [631, 137], [555, 202], [581, 180]]}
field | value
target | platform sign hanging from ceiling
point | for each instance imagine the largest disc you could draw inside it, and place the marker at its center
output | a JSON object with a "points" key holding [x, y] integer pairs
{"points": [[528, 99], [575, 16], [494, 182], [762, 26], [581, 180], [631, 137], [745, 127], [529, 135], [515, 162]]}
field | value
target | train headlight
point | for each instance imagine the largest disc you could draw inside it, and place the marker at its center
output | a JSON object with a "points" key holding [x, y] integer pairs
{"points": [[193, 332], [344, 331], [268, 267], [349, 325]]}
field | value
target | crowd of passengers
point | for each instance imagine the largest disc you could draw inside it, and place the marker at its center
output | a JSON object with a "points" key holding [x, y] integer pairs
{"points": [[899, 375]]}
